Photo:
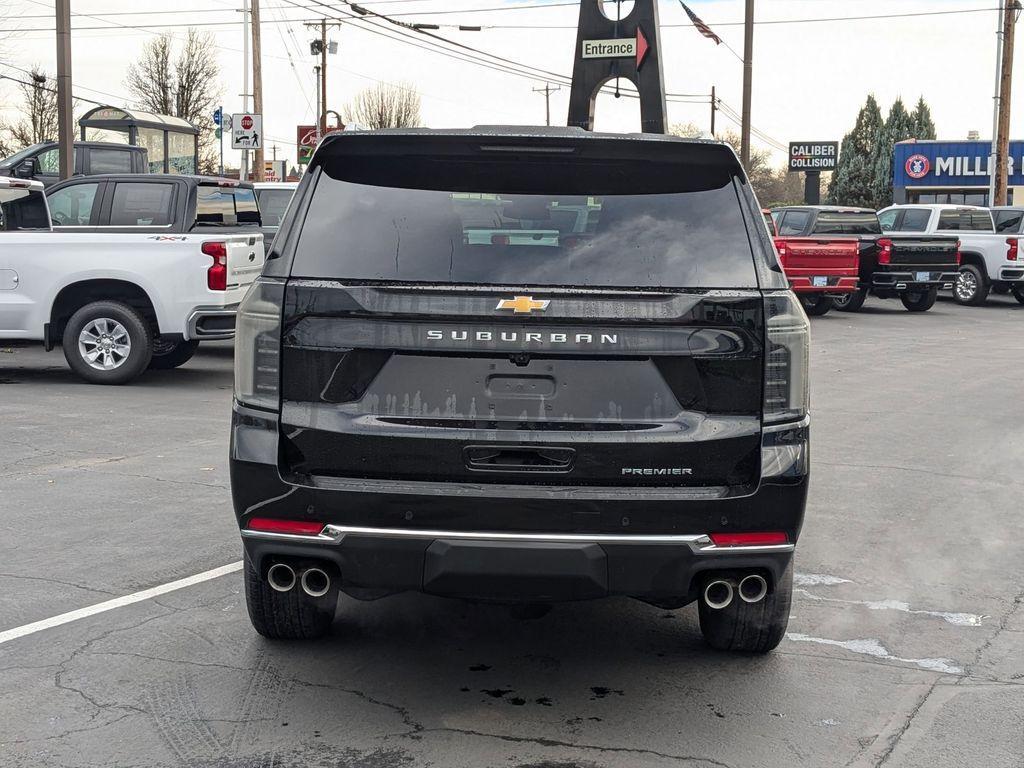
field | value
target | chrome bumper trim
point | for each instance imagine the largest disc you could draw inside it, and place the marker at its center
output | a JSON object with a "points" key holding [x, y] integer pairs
{"points": [[192, 330], [700, 543]]}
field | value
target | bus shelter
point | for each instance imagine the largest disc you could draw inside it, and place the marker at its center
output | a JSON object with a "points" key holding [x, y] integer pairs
{"points": [[172, 142]]}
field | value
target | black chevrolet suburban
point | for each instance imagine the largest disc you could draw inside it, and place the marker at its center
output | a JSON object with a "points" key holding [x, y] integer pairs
{"points": [[523, 366]]}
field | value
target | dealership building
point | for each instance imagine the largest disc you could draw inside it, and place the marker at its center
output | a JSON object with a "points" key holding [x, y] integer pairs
{"points": [[951, 172]]}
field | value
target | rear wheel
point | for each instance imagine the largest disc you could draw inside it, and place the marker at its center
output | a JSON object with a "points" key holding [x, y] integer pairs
{"points": [[171, 354], [816, 304], [850, 302], [752, 627], [107, 342], [1018, 293], [290, 615], [971, 287], [919, 301]]}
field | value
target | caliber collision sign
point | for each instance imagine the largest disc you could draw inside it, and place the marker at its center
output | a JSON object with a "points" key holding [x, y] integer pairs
{"points": [[813, 155]]}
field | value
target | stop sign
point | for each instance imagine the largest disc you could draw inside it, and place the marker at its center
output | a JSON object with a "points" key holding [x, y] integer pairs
{"points": [[247, 122]]}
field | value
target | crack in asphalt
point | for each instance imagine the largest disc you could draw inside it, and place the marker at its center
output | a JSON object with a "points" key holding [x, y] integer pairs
{"points": [[56, 581], [546, 742], [1018, 601], [896, 737]]}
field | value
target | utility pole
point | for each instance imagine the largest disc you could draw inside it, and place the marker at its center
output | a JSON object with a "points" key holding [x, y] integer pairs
{"points": [[714, 107], [1002, 168], [748, 71], [257, 86], [65, 126], [322, 47], [244, 173], [547, 90], [319, 132], [995, 106]]}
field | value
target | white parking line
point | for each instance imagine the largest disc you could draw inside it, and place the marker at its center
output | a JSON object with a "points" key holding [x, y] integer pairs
{"points": [[117, 602]]}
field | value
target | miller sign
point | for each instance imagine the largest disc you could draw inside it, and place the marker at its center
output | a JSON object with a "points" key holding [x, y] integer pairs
{"points": [[813, 155]]}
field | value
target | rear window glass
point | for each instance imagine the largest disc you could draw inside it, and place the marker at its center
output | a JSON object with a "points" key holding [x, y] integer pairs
{"points": [[22, 209], [273, 204], [141, 205], [612, 223], [974, 221], [846, 223], [793, 222], [1008, 221], [226, 206]]}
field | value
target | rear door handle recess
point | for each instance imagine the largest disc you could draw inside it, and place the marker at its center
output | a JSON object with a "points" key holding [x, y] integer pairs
{"points": [[518, 458]]}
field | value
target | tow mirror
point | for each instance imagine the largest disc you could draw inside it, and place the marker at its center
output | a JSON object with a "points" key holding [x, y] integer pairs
{"points": [[26, 169]]}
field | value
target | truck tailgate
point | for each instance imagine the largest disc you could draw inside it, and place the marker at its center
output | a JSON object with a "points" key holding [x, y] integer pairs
{"points": [[819, 263], [245, 262], [924, 250]]}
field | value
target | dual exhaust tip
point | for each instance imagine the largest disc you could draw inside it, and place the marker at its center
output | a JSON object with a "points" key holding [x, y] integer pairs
{"points": [[719, 593], [315, 582]]}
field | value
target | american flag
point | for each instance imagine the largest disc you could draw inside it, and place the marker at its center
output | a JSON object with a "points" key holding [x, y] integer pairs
{"points": [[703, 28]]}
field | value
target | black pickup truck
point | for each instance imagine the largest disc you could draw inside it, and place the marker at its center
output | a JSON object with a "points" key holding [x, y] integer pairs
{"points": [[909, 266], [524, 366]]}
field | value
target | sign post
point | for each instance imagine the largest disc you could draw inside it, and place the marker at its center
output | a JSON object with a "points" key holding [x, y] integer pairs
{"points": [[813, 157]]}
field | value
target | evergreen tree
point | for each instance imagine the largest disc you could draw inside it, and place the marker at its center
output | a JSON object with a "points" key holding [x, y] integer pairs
{"points": [[851, 183], [899, 126], [921, 119]]}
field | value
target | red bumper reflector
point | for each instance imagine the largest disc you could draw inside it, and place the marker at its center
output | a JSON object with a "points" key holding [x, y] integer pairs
{"points": [[748, 539], [295, 527]]}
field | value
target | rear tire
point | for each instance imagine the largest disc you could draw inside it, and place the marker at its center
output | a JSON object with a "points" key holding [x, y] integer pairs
{"points": [[167, 355], [290, 615], [816, 304], [919, 301], [971, 287], [1018, 293], [107, 342], [850, 302], [750, 627]]}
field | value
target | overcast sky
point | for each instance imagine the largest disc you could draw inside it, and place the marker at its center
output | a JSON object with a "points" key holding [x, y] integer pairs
{"points": [[809, 78]]}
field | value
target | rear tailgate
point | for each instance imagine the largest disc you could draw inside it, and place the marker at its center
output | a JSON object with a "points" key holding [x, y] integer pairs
{"points": [[815, 263], [935, 251], [245, 262], [610, 388]]}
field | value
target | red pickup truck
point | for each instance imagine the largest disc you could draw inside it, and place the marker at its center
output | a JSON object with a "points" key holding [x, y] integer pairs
{"points": [[817, 265]]}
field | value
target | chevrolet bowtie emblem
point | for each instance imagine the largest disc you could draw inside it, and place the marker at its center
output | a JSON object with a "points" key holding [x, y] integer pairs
{"points": [[523, 305]]}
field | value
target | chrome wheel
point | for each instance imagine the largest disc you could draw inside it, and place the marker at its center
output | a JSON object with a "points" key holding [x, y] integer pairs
{"points": [[966, 285], [104, 344]]}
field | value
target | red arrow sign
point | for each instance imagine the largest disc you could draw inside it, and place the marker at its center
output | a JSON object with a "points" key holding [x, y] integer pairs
{"points": [[641, 47]]}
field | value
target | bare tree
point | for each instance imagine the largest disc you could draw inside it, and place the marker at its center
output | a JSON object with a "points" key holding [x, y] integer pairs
{"points": [[182, 85], [39, 109], [385, 106]]}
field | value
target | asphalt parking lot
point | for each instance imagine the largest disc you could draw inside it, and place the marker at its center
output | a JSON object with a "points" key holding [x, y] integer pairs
{"points": [[906, 644]]}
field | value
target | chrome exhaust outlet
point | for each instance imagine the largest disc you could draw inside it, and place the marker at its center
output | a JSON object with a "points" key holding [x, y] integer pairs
{"points": [[718, 594], [315, 582], [281, 577], [753, 588]]}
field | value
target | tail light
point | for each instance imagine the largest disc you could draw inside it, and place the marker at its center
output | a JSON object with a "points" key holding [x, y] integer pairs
{"points": [[780, 247], [958, 255], [1011, 251], [293, 527], [258, 345], [217, 274], [884, 250], [786, 392]]}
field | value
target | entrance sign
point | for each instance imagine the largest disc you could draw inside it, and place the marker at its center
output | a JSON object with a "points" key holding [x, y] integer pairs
{"points": [[246, 131], [813, 155], [607, 49]]}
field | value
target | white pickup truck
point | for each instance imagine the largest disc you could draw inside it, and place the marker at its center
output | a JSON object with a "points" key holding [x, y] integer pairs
{"points": [[989, 259], [117, 302]]}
